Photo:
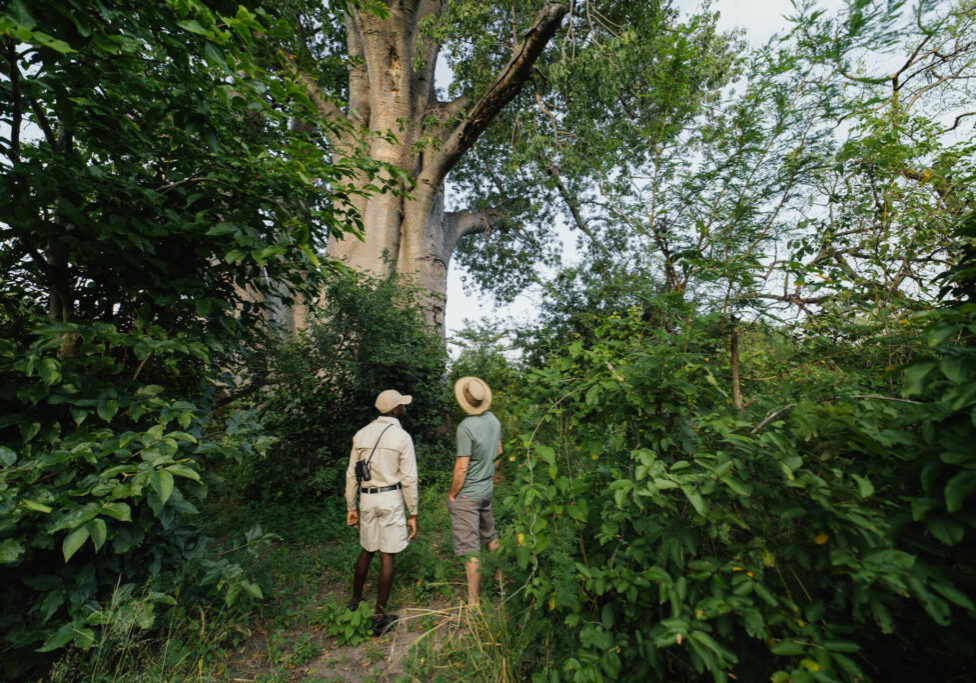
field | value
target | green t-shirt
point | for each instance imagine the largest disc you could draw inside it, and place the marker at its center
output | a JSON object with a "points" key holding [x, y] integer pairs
{"points": [[478, 437]]}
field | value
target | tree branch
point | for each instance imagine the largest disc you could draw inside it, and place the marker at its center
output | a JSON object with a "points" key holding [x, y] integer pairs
{"points": [[325, 107], [461, 223], [44, 123], [17, 114], [502, 90], [958, 119]]}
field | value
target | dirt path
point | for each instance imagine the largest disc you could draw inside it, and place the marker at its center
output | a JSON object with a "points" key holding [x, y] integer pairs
{"points": [[314, 655]]}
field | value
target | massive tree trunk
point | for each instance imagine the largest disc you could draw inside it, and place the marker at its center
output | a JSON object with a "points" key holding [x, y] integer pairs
{"points": [[391, 89]]}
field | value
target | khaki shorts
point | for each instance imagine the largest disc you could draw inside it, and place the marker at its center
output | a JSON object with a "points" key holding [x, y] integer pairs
{"points": [[472, 524], [382, 522]]}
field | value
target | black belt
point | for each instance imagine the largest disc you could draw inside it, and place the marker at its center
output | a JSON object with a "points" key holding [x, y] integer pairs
{"points": [[381, 489]]}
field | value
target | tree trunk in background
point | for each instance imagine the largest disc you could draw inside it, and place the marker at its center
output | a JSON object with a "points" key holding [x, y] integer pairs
{"points": [[734, 363], [392, 90]]}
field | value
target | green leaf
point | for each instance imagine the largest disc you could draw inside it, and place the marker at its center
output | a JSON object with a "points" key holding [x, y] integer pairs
{"points": [[222, 229], [162, 483], [734, 484], [119, 511], [76, 518], [107, 409], [235, 256], [145, 615], [60, 638], [787, 647], [959, 488], [49, 371], [953, 594], [955, 369], [841, 646], [915, 377], [74, 541], [945, 529], [939, 333], [10, 550], [34, 505], [84, 638], [252, 589], [184, 471], [864, 487], [214, 57], [922, 506], [98, 531], [579, 510], [695, 499], [193, 26], [7, 456]]}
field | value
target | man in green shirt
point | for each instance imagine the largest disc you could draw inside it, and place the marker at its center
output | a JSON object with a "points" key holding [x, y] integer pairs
{"points": [[469, 499]]}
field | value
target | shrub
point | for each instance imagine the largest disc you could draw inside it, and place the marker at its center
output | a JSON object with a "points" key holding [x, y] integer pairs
{"points": [[671, 539], [101, 475], [367, 336]]}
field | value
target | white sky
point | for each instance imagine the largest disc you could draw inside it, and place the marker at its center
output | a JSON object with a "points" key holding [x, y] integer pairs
{"points": [[760, 19]]}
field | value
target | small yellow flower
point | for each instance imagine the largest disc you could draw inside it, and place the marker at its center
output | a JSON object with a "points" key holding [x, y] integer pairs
{"points": [[552, 602], [678, 639], [737, 569], [820, 538], [519, 539], [750, 574]]}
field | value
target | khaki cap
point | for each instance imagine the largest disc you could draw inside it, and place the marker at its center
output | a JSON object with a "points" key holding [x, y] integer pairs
{"points": [[473, 395], [390, 399]]}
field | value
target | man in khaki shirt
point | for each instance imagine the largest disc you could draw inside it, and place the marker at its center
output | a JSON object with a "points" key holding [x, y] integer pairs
{"points": [[391, 486]]}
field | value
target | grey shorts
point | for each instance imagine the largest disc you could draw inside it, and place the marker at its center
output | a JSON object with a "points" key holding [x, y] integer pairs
{"points": [[472, 524], [382, 522]]}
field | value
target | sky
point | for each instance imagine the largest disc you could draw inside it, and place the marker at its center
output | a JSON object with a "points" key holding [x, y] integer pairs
{"points": [[759, 18]]}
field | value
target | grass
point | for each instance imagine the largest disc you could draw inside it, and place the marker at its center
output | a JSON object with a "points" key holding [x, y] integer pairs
{"points": [[305, 576]]}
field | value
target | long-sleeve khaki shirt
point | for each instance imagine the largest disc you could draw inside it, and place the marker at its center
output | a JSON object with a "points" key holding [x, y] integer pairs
{"points": [[393, 462]]}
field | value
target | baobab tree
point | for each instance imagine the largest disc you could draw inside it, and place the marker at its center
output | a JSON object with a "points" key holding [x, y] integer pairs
{"points": [[390, 51]]}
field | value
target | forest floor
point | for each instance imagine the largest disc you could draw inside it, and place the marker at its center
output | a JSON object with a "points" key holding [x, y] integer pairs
{"points": [[292, 636], [311, 654]]}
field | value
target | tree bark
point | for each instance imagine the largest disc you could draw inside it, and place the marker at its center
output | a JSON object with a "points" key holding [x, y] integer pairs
{"points": [[392, 90], [734, 363]]}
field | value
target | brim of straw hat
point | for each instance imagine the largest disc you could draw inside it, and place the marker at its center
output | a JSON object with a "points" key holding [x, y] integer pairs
{"points": [[466, 405]]}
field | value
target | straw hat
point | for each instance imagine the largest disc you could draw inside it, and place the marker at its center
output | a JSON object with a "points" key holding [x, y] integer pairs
{"points": [[473, 394], [390, 399]]}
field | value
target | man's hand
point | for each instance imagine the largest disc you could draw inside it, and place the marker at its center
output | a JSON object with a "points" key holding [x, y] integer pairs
{"points": [[450, 498], [412, 525], [352, 519]]}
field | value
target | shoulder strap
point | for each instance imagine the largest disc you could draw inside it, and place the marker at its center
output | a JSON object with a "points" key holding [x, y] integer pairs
{"points": [[370, 458]]}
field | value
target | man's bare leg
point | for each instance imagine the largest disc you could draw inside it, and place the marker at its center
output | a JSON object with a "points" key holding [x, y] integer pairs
{"points": [[359, 575], [385, 581], [474, 580], [498, 571]]}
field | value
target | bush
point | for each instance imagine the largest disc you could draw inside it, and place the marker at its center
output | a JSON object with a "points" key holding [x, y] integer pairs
{"points": [[102, 473], [367, 336], [671, 539]]}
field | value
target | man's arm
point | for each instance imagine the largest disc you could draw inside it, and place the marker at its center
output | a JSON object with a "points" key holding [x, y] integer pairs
{"points": [[409, 480], [352, 484], [457, 479]]}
